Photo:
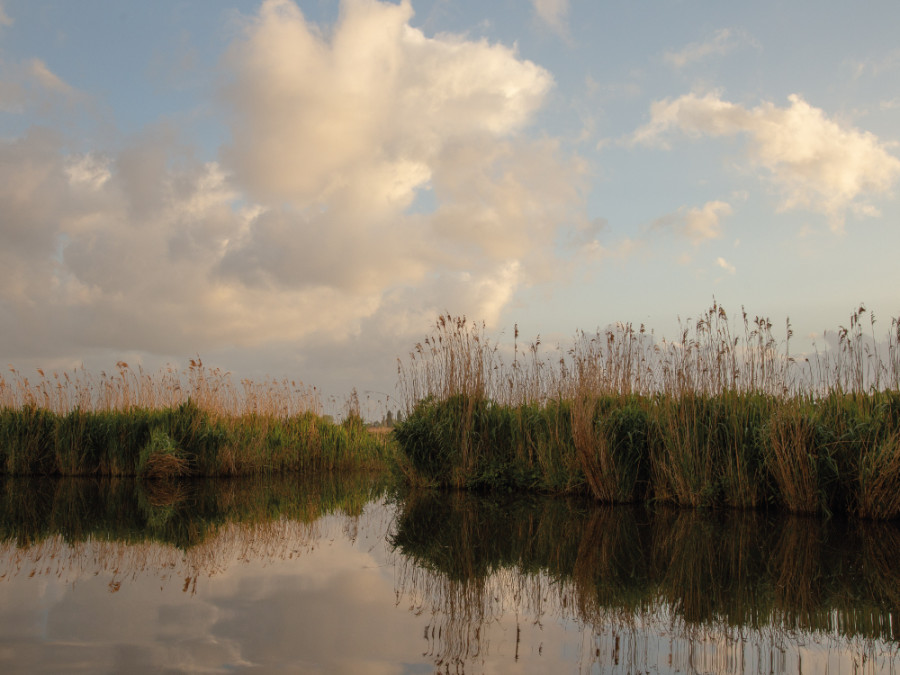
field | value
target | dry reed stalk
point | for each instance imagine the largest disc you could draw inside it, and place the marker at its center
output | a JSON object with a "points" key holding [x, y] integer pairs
{"points": [[858, 364], [742, 483], [165, 465], [212, 390], [687, 459], [706, 358], [700, 387], [610, 472], [879, 480], [590, 447], [793, 459]]}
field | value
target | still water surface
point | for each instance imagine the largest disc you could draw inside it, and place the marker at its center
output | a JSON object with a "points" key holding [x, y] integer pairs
{"points": [[336, 575]]}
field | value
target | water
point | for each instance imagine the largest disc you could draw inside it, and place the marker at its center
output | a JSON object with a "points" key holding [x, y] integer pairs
{"points": [[336, 575]]}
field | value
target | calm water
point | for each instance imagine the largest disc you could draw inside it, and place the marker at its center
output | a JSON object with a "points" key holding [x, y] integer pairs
{"points": [[335, 576]]}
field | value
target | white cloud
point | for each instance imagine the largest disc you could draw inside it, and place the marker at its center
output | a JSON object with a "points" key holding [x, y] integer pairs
{"points": [[703, 223], [697, 224], [725, 265], [555, 13], [5, 19], [815, 162], [346, 130], [378, 97], [307, 232], [720, 43], [89, 170]]}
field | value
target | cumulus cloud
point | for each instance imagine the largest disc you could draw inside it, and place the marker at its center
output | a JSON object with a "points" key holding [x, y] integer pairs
{"points": [[815, 162], [339, 134], [554, 13], [378, 97], [5, 19], [310, 228], [722, 42]]}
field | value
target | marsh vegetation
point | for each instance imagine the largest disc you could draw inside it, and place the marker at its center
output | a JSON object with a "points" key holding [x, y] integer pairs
{"points": [[712, 418], [718, 417], [170, 424]]}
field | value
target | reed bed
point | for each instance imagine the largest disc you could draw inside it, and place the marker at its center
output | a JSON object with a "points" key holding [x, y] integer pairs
{"points": [[173, 423], [719, 416]]}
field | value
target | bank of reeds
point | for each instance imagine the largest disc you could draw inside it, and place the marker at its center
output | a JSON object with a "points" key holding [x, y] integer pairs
{"points": [[197, 423], [716, 417]]}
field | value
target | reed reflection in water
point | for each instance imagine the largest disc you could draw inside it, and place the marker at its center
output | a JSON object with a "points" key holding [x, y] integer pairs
{"points": [[337, 574], [653, 590], [240, 575]]}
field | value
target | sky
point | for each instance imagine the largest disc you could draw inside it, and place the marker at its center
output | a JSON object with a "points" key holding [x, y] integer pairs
{"points": [[299, 189]]}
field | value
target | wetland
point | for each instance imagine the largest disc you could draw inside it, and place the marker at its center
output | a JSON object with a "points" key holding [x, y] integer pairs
{"points": [[347, 573], [707, 505]]}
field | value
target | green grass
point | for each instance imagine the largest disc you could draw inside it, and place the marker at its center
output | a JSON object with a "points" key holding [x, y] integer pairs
{"points": [[181, 441], [469, 442], [839, 454], [193, 423], [712, 419]]}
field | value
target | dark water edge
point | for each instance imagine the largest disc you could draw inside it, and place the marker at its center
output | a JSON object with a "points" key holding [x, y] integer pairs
{"points": [[342, 573], [736, 568], [180, 513]]}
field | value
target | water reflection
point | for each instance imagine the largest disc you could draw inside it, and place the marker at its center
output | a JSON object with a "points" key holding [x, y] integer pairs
{"points": [[270, 575], [74, 526], [337, 574], [660, 590]]}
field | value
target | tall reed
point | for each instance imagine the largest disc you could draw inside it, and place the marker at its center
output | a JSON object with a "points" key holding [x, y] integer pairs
{"points": [[717, 416], [212, 390], [194, 422]]}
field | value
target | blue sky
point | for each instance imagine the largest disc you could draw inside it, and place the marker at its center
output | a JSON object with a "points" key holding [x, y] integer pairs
{"points": [[299, 189]]}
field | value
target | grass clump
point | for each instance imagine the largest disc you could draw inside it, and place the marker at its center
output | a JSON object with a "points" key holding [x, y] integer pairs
{"points": [[161, 458], [198, 425], [714, 418], [798, 461], [612, 440], [498, 447], [878, 476]]}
